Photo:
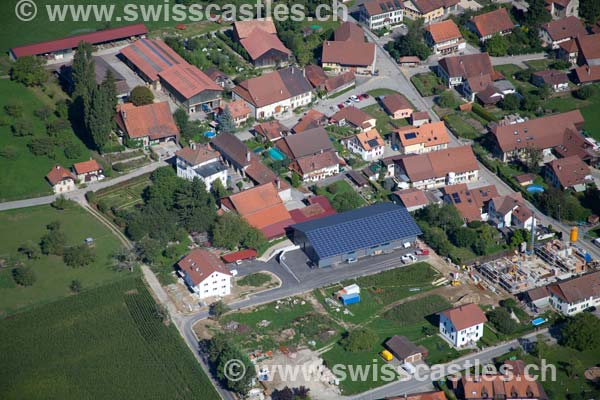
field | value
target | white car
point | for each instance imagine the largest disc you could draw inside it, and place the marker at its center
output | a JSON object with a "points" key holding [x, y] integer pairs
{"points": [[354, 98], [348, 103], [408, 258]]}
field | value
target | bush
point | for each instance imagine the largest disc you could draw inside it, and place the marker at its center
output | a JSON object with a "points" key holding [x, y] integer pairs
{"points": [[501, 320], [361, 339], [483, 113], [53, 243], [24, 276], [57, 126], [584, 92], [78, 256], [14, 110], [75, 286], [447, 100], [141, 95], [42, 146], [22, 127], [9, 152], [72, 150]]}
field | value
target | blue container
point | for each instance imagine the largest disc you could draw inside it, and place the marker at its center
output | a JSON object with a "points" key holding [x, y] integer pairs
{"points": [[348, 299]]}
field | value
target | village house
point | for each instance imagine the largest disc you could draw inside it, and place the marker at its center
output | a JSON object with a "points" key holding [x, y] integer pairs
{"points": [[275, 93], [557, 80], [404, 350], [429, 10], [495, 92], [437, 168], [310, 120], [397, 106], [233, 152], [219, 77], [413, 199], [463, 325], [438, 395], [88, 171], [259, 38], [355, 118], [61, 179], [492, 23], [472, 204], [471, 73], [563, 8], [587, 74], [271, 130], [575, 295], [421, 139], [149, 124], [202, 162], [369, 145], [569, 173], [349, 55], [331, 85], [556, 32], [444, 37], [205, 274], [589, 50], [380, 14], [513, 141], [510, 212], [568, 51], [419, 118], [240, 112]]}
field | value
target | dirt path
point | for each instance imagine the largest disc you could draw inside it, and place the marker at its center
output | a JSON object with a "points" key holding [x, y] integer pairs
{"points": [[122, 238]]}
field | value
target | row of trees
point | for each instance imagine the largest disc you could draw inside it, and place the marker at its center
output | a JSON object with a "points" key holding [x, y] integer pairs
{"points": [[411, 44], [231, 366]]}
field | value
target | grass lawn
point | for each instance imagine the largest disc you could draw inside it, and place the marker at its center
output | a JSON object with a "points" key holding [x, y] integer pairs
{"points": [[53, 276], [385, 124], [339, 188], [123, 196], [22, 174], [256, 279], [381, 92], [458, 124], [103, 343], [425, 83], [539, 65]]}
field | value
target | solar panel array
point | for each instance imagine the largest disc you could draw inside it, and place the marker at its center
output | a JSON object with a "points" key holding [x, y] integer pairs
{"points": [[410, 135], [358, 229], [456, 198]]}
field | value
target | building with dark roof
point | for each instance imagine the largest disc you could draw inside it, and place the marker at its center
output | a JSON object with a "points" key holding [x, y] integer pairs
{"points": [[233, 151], [404, 350], [354, 234], [556, 32], [102, 67], [262, 44]]}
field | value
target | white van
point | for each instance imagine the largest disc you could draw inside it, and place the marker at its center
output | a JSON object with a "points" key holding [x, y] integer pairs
{"points": [[409, 368]]}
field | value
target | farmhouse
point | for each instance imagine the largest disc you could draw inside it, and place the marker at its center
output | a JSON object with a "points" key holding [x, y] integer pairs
{"points": [[404, 350], [354, 117], [369, 145], [471, 73], [310, 120], [320, 81], [88, 171], [574, 295], [354, 234], [148, 124], [205, 274], [569, 173], [62, 49], [444, 37], [438, 168], [379, 14], [349, 55], [495, 22], [259, 39], [233, 151], [421, 139], [201, 162], [101, 68], [61, 179], [589, 50], [554, 33], [472, 204], [429, 10], [272, 94], [397, 106], [463, 325], [587, 74], [149, 57]]}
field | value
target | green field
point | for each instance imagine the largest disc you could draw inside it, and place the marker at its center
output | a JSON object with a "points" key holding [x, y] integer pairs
{"points": [[426, 83], [22, 174], [122, 196], [53, 276], [385, 124], [106, 343]]}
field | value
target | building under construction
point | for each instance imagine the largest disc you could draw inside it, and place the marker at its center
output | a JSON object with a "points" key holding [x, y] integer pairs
{"points": [[568, 258]]}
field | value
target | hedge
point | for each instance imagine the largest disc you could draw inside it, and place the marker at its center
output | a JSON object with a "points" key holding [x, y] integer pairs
{"points": [[483, 113]]}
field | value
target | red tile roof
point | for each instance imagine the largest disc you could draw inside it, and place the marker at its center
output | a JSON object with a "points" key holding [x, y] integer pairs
{"points": [[199, 264], [271, 130], [245, 254], [315, 75], [349, 53], [260, 42], [569, 171], [86, 167], [376, 7], [153, 120], [421, 396], [577, 289], [465, 316], [151, 56], [589, 47], [396, 102], [502, 386], [467, 65], [243, 29], [318, 207], [429, 134], [587, 74], [353, 115], [552, 77], [338, 81], [309, 164], [564, 28], [58, 174], [199, 155], [349, 31], [569, 46], [273, 87], [470, 202], [188, 80], [72, 42], [444, 31], [238, 108], [440, 163], [312, 119], [493, 22], [412, 197]]}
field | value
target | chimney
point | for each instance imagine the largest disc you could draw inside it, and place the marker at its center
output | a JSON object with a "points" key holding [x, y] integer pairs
{"points": [[124, 115], [193, 145], [278, 183], [248, 155]]}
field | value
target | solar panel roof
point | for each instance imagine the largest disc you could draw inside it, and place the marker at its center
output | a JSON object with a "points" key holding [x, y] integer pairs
{"points": [[410, 135], [357, 229]]}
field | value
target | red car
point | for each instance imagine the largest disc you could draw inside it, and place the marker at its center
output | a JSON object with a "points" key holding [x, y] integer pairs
{"points": [[364, 96], [340, 106], [422, 252]]}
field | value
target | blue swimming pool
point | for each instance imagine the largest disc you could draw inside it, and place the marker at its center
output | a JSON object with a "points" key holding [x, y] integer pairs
{"points": [[276, 154], [535, 189], [538, 321], [210, 134]]}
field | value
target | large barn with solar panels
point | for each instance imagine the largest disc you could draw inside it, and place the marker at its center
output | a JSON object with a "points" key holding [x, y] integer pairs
{"points": [[348, 236]]}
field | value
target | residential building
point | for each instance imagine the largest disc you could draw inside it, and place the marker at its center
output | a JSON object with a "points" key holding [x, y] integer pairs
{"points": [[64, 49], [563, 8], [351, 235], [271, 131], [557, 80], [149, 124], [413, 199], [202, 162], [430, 10], [275, 93], [397, 106], [310, 120], [349, 31], [419, 118], [61, 179], [495, 92], [219, 77], [381, 14], [463, 325], [511, 384], [344, 56], [575, 295], [568, 51], [368, 144], [421, 139], [404, 350], [439, 395], [575, 144], [233, 152], [205, 274], [320, 81], [409, 61], [259, 39], [472, 204], [556, 32], [262, 207], [354, 117], [569, 173], [589, 50], [510, 212], [512, 141], [471, 73], [88, 171], [240, 112], [444, 37], [587, 74], [497, 22], [316, 167], [437, 168]]}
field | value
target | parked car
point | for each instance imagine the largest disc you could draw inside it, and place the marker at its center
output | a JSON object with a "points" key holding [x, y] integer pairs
{"points": [[355, 98], [365, 95], [348, 103], [408, 258], [340, 106], [596, 242], [352, 260], [422, 252]]}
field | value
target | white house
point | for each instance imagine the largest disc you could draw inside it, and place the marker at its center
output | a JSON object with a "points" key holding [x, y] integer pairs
{"points": [[379, 14], [61, 179], [369, 145], [88, 171], [201, 162], [205, 274], [463, 325], [574, 295], [510, 211]]}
